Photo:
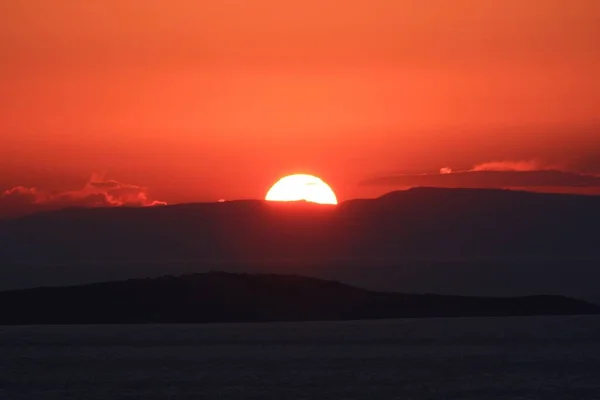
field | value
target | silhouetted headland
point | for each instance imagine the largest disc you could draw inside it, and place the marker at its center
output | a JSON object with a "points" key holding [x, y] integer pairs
{"points": [[228, 297]]}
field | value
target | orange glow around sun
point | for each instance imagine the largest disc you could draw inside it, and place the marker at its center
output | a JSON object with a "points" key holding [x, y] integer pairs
{"points": [[302, 187]]}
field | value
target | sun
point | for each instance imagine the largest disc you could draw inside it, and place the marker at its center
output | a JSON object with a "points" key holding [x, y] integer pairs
{"points": [[302, 187]]}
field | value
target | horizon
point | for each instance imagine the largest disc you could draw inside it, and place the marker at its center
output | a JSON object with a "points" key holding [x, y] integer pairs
{"points": [[20, 211]]}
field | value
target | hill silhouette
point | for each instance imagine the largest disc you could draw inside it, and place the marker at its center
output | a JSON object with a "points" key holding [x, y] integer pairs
{"points": [[227, 297], [473, 241], [417, 222]]}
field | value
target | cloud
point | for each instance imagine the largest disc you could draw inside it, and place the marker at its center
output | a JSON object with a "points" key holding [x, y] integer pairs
{"points": [[97, 192], [521, 175], [20, 194], [521, 166]]}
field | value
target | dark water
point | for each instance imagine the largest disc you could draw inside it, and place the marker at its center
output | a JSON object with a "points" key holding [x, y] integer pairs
{"points": [[492, 358]]}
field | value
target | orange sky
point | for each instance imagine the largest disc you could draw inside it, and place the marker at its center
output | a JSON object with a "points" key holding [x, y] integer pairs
{"points": [[199, 100]]}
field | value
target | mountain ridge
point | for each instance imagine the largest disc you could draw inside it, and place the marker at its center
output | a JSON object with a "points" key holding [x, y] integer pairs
{"points": [[448, 222]]}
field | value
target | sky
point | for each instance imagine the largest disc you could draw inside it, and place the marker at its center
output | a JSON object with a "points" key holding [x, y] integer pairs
{"points": [[106, 102]]}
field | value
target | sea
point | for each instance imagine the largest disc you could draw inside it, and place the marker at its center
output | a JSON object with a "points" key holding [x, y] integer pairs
{"points": [[443, 358]]}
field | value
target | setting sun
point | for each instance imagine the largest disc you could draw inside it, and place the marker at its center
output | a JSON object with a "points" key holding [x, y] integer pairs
{"points": [[302, 187]]}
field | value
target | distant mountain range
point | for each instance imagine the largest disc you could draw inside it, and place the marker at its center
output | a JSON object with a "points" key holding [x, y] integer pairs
{"points": [[485, 239], [225, 297], [417, 222]]}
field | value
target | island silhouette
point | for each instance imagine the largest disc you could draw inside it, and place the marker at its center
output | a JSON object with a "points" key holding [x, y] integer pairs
{"points": [[228, 297]]}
